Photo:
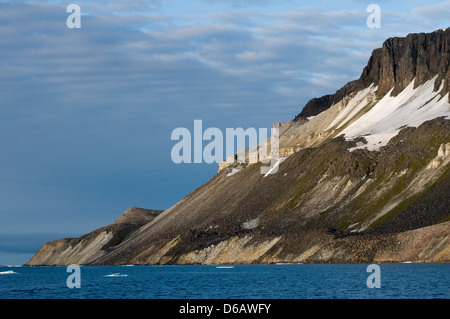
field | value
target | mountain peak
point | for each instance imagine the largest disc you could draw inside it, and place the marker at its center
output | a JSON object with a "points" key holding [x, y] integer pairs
{"points": [[419, 56]]}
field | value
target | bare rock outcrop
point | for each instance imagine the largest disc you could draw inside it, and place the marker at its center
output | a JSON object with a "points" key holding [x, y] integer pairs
{"points": [[418, 56]]}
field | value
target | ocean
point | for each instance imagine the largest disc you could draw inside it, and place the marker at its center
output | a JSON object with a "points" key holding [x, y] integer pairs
{"points": [[287, 281]]}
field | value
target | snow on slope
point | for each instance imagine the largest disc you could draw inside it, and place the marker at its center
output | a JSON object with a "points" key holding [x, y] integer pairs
{"points": [[233, 171], [354, 105], [411, 108], [274, 168]]}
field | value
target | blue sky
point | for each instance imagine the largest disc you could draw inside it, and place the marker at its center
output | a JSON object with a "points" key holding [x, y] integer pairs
{"points": [[86, 114]]}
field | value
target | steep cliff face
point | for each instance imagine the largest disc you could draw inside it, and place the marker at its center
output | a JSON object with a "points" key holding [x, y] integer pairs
{"points": [[367, 179], [399, 61]]}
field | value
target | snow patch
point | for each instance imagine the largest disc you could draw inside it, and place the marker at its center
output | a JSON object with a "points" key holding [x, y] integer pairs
{"points": [[233, 171], [276, 165], [354, 105], [352, 225], [410, 108], [322, 178], [251, 224]]}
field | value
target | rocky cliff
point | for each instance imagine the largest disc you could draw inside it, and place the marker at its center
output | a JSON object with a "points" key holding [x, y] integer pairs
{"points": [[366, 178], [418, 57]]}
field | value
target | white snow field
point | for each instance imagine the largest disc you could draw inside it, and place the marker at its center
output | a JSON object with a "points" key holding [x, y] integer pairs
{"points": [[411, 107]]}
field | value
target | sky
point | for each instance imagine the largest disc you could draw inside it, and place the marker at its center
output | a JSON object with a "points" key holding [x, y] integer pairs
{"points": [[86, 114]]}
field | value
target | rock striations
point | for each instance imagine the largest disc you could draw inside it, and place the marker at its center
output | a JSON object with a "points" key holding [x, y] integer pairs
{"points": [[365, 177], [88, 248]]}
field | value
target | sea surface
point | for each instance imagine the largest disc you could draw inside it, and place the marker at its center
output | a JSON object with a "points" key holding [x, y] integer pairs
{"points": [[288, 281]]}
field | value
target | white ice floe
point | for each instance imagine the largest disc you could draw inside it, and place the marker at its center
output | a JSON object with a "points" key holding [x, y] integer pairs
{"points": [[116, 275], [8, 272]]}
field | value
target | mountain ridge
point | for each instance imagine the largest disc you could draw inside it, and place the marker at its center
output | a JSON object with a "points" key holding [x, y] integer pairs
{"points": [[365, 178], [421, 54]]}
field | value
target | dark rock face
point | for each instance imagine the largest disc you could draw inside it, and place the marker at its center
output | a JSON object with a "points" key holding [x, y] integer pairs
{"points": [[318, 105], [419, 56], [400, 60]]}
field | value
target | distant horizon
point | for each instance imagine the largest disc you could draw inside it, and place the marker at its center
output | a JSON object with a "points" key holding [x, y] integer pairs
{"points": [[87, 114]]}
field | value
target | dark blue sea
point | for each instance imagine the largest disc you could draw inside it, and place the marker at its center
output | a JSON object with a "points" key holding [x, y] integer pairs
{"points": [[291, 281]]}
